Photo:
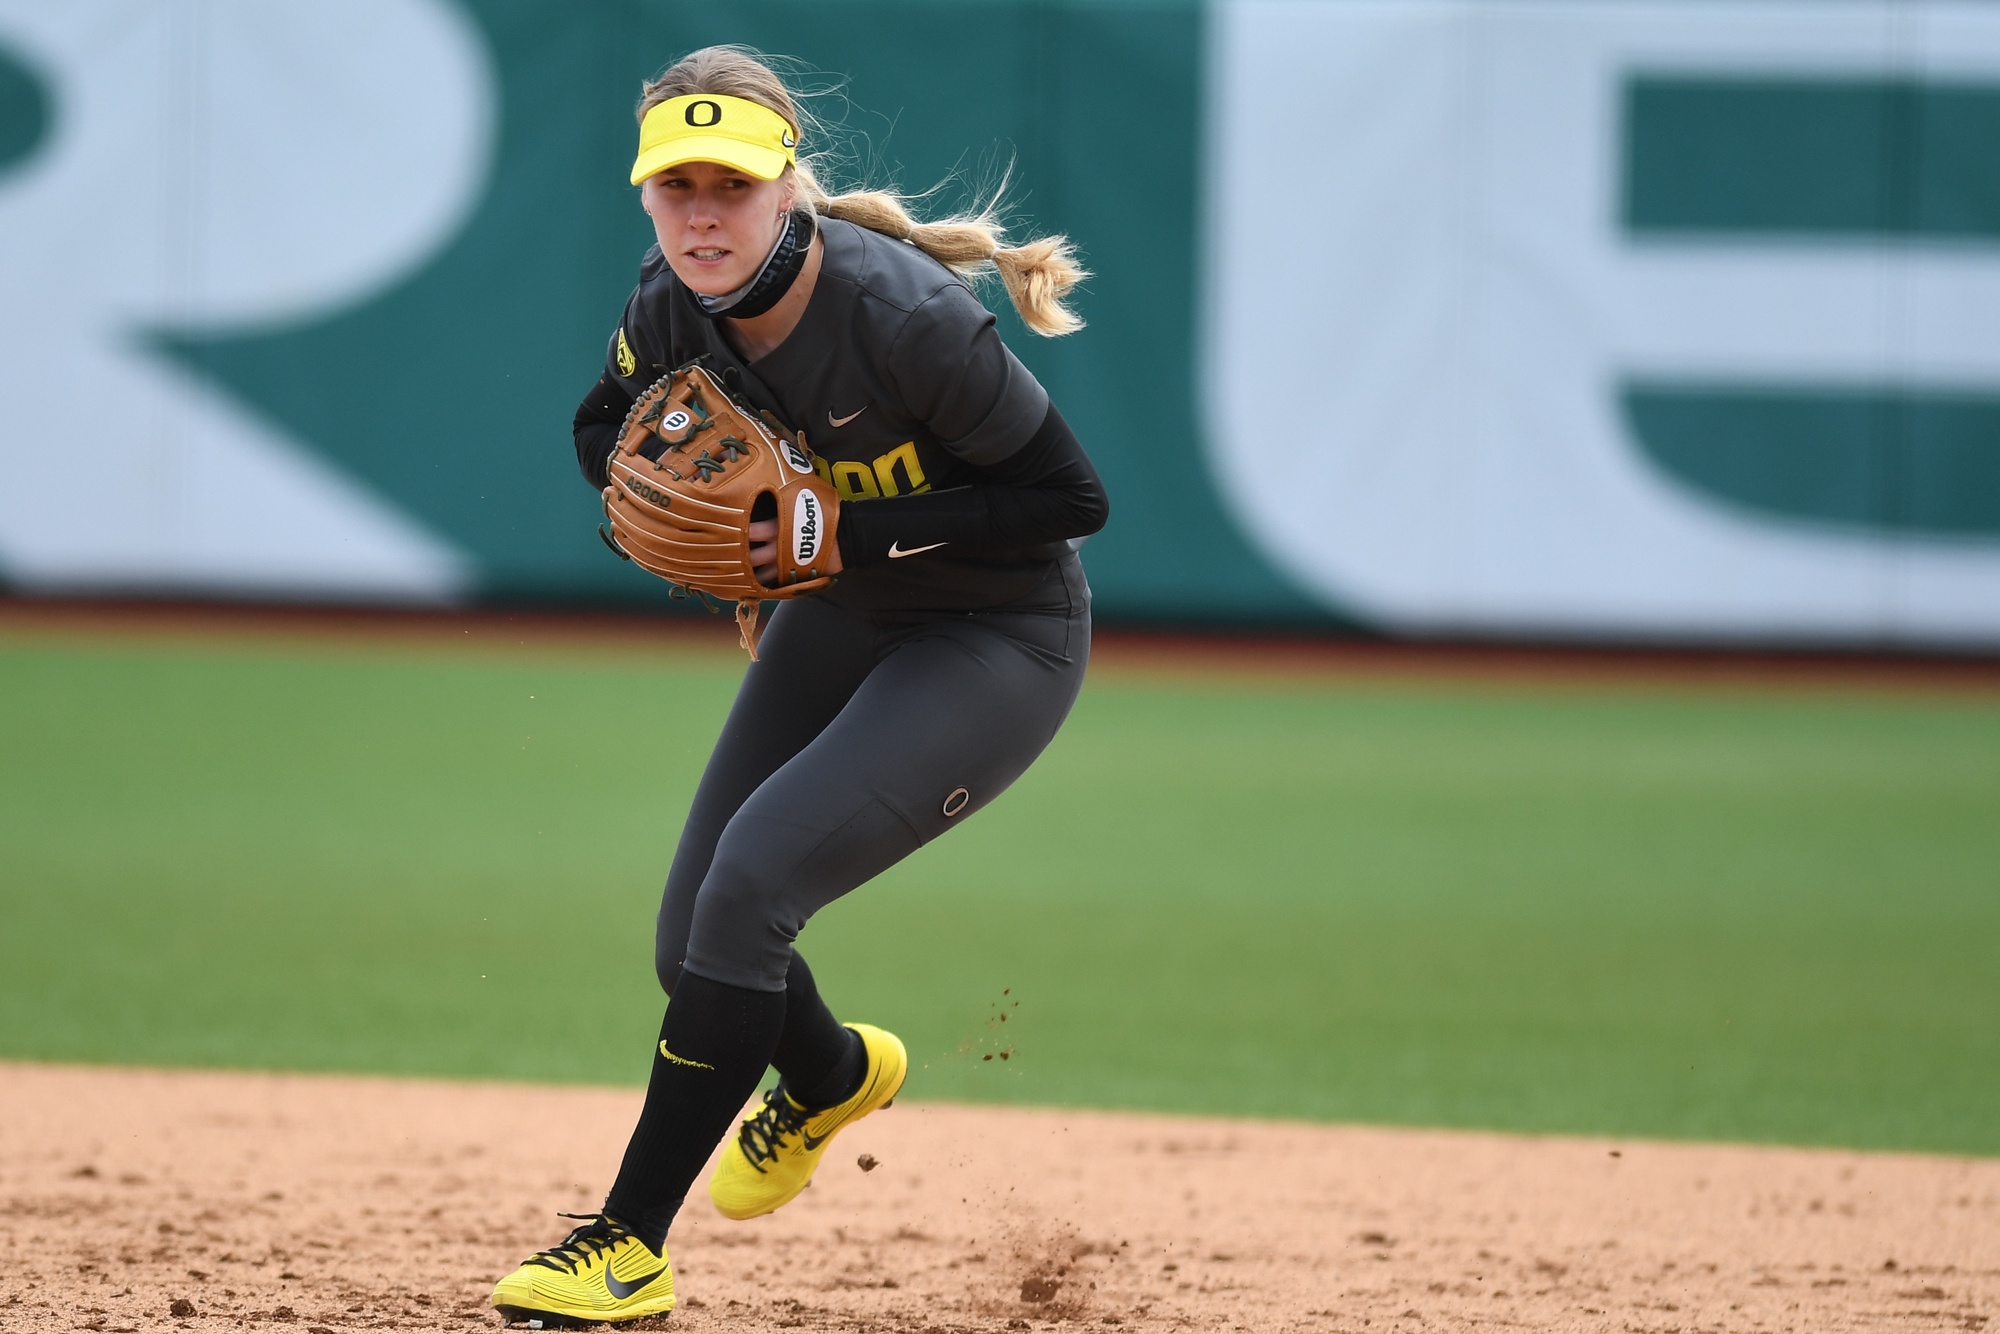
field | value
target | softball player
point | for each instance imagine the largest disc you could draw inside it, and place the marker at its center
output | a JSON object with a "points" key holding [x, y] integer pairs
{"points": [[883, 711]]}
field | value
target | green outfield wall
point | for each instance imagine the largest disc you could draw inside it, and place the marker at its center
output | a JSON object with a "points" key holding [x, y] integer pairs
{"points": [[1591, 320]]}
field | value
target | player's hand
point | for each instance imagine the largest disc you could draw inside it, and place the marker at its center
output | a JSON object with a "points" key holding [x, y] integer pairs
{"points": [[764, 553]]}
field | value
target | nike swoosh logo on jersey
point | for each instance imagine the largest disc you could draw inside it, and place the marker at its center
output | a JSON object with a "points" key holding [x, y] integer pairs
{"points": [[842, 421], [623, 1290], [896, 552]]}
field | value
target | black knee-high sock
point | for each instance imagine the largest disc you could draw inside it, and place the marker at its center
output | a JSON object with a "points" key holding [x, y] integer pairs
{"points": [[714, 1045], [822, 1062]]}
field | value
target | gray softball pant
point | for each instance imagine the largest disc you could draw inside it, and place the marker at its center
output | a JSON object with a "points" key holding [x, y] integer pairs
{"points": [[858, 738]]}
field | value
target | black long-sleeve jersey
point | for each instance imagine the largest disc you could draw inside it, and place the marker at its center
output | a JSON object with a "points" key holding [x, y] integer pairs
{"points": [[940, 442]]}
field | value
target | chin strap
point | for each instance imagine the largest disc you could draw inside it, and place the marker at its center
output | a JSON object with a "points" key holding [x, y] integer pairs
{"points": [[780, 270]]}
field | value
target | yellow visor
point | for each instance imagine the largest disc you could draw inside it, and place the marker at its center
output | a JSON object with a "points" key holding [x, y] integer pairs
{"points": [[715, 128]]}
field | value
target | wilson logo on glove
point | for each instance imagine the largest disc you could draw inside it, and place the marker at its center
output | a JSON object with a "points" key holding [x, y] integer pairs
{"points": [[805, 527], [694, 468]]}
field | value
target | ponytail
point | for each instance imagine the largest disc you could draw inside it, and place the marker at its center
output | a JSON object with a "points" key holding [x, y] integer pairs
{"points": [[1037, 274]]}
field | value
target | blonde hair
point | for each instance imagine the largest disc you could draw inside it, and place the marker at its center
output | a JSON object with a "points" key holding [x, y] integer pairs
{"points": [[1037, 274]]}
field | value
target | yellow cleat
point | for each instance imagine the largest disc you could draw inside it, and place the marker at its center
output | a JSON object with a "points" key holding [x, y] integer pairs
{"points": [[776, 1149], [601, 1271]]}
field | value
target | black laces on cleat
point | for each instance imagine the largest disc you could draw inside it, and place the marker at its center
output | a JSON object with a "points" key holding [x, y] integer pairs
{"points": [[597, 1236], [762, 1133]]}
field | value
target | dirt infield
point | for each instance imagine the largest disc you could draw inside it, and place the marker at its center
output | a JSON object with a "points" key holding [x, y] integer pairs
{"points": [[140, 1200]]}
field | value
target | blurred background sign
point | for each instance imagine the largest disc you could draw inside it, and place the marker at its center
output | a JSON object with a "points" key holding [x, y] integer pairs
{"points": [[1668, 320], [1663, 321]]}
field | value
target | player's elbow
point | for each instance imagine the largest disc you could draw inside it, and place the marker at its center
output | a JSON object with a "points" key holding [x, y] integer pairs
{"points": [[1093, 509]]}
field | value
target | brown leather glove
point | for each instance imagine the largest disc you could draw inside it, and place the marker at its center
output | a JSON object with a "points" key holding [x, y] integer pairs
{"points": [[693, 469]]}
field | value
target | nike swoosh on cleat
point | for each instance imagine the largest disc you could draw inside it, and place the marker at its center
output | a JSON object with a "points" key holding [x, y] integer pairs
{"points": [[896, 552], [832, 420], [814, 1141], [623, 1290]]}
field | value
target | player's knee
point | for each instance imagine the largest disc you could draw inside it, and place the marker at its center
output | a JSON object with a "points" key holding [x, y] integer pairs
{"points": [[743, 931], [769, 876], [747, 890]]}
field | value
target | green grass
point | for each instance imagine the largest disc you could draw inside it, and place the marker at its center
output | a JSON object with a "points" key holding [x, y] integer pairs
{"points": [[1752, 914]]}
